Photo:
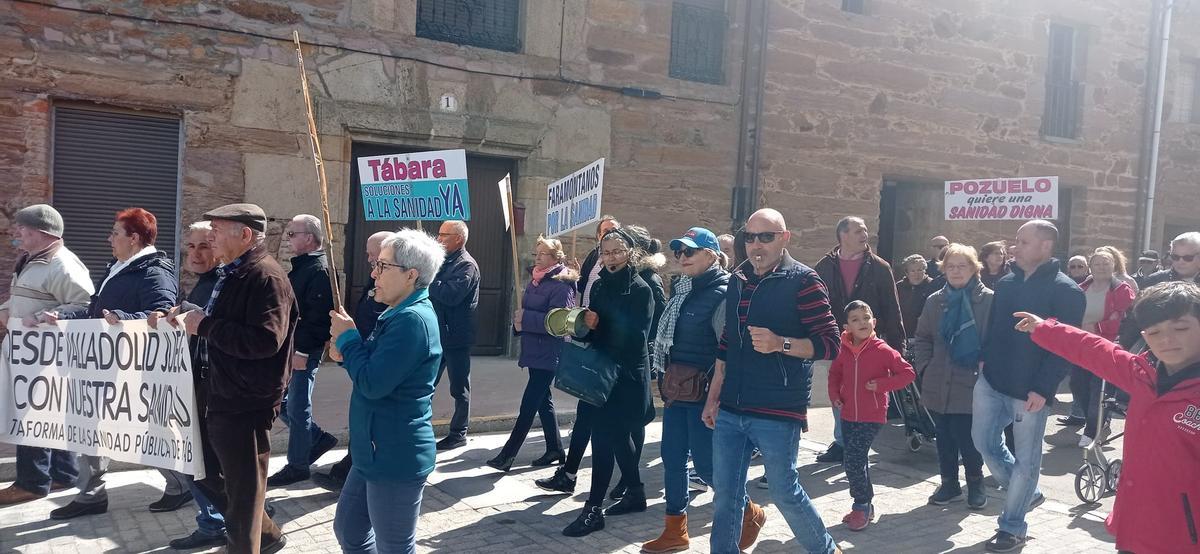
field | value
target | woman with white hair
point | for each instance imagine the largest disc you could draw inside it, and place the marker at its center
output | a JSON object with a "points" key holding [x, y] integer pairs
{"points": [[392, 372]]}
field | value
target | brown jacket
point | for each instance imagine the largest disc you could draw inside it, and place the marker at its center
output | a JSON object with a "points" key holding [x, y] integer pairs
{"points": [[947, 387], [874, 285], [249, 335]]}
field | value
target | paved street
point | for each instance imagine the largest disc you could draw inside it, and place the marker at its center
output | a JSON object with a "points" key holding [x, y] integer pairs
{"points": [[471, 508]]}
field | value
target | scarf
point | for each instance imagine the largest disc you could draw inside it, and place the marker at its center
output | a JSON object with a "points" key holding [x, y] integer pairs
{"points": [[539, 274], [958, 327], [666, 324]]}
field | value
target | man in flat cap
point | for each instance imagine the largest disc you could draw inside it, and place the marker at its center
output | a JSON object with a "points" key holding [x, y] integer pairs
{"points": [[48, 277], [245, 331]]}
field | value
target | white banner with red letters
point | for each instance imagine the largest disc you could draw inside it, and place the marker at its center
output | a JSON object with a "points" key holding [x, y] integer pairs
{"points": [[1002, 198]]}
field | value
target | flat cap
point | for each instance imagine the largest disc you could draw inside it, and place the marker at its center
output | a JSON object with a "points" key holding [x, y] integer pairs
{"points": [[249, 215]]}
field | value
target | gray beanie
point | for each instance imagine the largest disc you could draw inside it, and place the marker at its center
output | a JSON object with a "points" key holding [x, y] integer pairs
{"points": [[41, 217]]}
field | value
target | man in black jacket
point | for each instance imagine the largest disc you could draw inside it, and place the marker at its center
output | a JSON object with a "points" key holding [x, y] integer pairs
{"points": [[1018, 379], [1185, 266], [314, 295], [455, 295]]}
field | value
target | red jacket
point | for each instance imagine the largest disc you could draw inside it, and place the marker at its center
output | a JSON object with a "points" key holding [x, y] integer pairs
{"points": [[857, 364], [1158, 498], [1117, 301]]}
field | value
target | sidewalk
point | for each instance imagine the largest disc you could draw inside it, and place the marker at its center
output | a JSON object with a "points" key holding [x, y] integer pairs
{"points": [[469, 507]]}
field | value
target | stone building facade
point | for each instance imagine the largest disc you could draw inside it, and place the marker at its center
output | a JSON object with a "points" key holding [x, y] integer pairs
{"points": [[845, 113]]}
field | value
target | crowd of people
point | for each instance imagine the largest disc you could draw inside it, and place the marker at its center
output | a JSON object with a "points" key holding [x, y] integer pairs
{"points": [[730, 345]]}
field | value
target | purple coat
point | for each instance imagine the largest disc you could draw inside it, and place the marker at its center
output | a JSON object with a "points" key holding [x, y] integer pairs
{"points": [[539, 350]]}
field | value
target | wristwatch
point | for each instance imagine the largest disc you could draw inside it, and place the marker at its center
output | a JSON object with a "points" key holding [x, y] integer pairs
{"points": [[787, 345]]}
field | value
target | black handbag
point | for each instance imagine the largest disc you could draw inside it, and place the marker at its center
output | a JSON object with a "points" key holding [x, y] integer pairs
{"points": [[585, 373]]}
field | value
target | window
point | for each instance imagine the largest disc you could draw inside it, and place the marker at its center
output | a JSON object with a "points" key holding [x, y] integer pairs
{"points": [[491, 24], [1063, 92], [106, 161], [854, 6], [1186, 107], [698, 40]]}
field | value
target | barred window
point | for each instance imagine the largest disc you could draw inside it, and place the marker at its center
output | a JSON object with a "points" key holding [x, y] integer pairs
{"points": [[1064, 93], [698, 40], [491, 24]]}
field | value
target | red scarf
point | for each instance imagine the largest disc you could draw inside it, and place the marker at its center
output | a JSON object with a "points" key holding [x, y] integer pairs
{"points": [[539, 274]]}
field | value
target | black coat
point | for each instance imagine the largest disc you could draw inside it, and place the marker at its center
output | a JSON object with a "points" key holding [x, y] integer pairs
{"points": [[625, 306], [366, 312], [145, 285], [314, 297], [455, 295]]}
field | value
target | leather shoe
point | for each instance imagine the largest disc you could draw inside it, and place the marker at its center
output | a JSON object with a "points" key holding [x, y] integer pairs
{"points": [[171, 502], [323, 445], [75, 509], [286, 476], [197, 540], [16, 495], [550, 458], [451, 442], [501, 462], [55, 486], [328, 481], [274, 547]]}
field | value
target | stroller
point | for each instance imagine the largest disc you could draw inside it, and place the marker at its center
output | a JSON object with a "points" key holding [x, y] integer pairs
{"points": [[1098, 475], [918, 424]]}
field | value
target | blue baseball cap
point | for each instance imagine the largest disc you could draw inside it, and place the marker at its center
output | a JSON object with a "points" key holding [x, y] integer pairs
{"points": [[697, 237]]}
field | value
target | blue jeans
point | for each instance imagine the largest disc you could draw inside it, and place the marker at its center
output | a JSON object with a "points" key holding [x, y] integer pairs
{"points": [[37, 466], [683, 432], [837, 428], [296, 413], [378, 516], [778, 440], [991, 413], [208, 519]]}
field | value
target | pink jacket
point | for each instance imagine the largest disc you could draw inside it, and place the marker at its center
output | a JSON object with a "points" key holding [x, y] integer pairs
{"points": [[1116, 302]]}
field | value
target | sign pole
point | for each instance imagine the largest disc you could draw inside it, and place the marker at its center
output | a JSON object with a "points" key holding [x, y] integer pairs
{"points": [[512, 235], [315, 142], [574, 237]]}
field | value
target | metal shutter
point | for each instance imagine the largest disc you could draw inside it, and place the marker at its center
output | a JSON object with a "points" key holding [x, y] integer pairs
{"points": [[106, 161]]}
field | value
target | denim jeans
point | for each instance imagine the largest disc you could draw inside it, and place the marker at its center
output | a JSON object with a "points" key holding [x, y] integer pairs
{"points": [[208, 518], [735, 436], [378, 516], [838, 437], [37, 466], [296, 413], [683, 432], [992, 411]]}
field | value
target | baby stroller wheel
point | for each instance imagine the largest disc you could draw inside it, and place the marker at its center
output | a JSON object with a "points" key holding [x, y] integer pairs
{"points": [[914, 443], [1113, 475], [1090, 483]]}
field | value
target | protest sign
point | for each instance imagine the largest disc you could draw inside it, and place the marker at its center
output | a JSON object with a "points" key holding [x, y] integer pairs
{"points": [[123, 391], [428, 186], [574, 201], [1002, 199]]}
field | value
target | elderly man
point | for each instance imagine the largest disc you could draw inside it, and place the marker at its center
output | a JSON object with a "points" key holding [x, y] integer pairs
{"points": [[455, 295], [1147, 265], [1018, 378], [762, 383], [1184, 260], [936, 245], [852, 272], [48, 277], [310, 282], [245, 330], [1077, 269], [366, 315]]}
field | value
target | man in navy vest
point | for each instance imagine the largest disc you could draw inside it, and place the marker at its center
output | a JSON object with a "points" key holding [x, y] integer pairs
{"points": [[762, 385]]}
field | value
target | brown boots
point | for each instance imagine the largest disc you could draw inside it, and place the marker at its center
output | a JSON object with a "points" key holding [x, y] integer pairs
{"points": [[753, 518], [673, 538]]}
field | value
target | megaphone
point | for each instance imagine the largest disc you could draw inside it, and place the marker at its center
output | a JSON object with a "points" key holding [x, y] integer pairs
{"points": [[566, 322]]}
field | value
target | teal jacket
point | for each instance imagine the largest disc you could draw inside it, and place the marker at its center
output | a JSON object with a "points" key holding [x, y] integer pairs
{"points": [[393, 370]]}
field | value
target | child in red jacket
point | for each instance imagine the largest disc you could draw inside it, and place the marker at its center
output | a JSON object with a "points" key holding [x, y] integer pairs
{"points": [[1158, 497], [865, 370]]}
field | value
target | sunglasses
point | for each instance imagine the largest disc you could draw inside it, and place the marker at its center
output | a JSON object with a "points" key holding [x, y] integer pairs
{"points": [[1185, 257], [1077, 267], [686, 251], [765, 237]]}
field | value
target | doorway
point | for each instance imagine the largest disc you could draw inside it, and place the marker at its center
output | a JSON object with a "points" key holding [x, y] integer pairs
{"points": [[488, 244]]}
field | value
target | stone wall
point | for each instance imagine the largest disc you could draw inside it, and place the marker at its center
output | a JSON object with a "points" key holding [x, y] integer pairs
{"points": [[1179, 161]]}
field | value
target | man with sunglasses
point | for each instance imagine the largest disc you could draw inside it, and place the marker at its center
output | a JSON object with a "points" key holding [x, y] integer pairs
{"points": [[762, 383], [314, 295], [852, 272], [1184, 258], [455, 295]]}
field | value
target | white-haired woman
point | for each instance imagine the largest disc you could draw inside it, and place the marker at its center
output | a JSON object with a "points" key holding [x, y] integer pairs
{"points": [[392, 372], [551, 286]]}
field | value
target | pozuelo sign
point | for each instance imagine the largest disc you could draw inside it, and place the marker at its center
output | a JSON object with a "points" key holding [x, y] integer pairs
{"points": [[1002, 198]]}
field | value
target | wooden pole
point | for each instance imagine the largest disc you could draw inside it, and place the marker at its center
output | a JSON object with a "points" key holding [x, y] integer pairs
{"points": [[512, 235], [315, 141], [574, 239]]}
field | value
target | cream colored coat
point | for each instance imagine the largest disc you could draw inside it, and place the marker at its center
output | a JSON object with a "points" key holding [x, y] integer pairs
{"points": [[52, 280]]}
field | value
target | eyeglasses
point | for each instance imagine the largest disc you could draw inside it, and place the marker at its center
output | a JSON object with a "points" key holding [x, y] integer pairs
{"points": [[1185, 257], [291, 234], [956, 267], [1077, 266], [686, 251], [613, 253], [765, 237], [381, 265]]}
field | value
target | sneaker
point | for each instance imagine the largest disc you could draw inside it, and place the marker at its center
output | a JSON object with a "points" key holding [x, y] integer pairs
{"points": [[319, 448], [946, 493], [762, 482], [1004, 542], [1038, 500], [197, 540], [1071, 421], [976, 494], [559, 482], [1085, 441], [695, 483], [451, 442], [288, 475], [272, 548], [857, 520], [831, 456]]}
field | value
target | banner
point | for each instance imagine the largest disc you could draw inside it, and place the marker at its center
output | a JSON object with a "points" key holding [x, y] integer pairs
{"points": [[122, 391], [429, 186], [1002, 199], [574, 201]]}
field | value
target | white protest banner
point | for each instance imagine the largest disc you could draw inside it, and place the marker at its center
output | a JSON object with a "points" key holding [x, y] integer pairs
{"points": [[416, 186], [574, 201], [1002, 198], [123, 391]]}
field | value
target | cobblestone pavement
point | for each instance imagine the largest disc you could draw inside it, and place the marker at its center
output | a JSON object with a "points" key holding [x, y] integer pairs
{"points": [[469, 507]]}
